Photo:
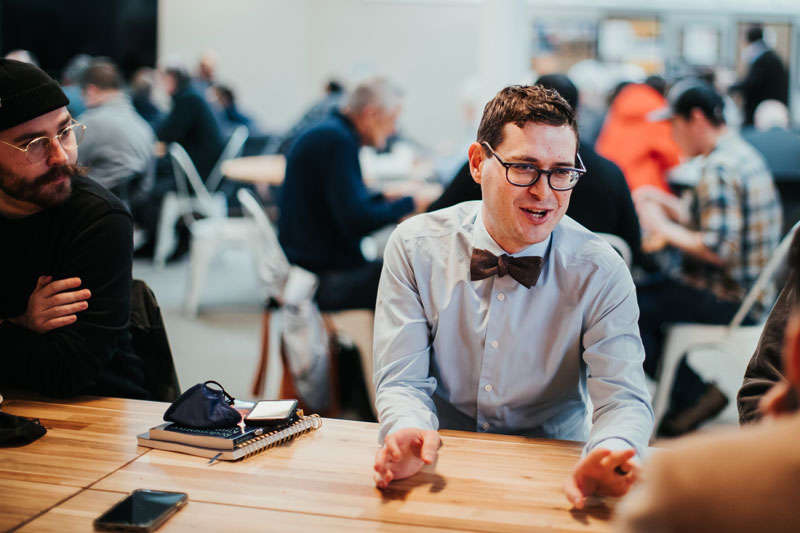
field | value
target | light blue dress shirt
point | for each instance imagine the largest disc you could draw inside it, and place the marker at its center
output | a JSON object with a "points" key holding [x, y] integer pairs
{"points": [[493, 356]]}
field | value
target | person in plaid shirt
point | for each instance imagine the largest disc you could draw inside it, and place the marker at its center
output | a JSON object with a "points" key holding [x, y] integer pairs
{"points": [[726, 236]]}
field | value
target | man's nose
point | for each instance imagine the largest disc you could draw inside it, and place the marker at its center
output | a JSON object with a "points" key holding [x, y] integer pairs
{"points": [[541, 189], [56, 154]]}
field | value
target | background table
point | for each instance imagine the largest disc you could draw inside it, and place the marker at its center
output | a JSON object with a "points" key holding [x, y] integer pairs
{"points": [[258, 169], [320, 482]]}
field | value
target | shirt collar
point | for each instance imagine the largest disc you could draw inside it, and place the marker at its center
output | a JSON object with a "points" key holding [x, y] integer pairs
{"points": [[482, 240], [348, 124]]}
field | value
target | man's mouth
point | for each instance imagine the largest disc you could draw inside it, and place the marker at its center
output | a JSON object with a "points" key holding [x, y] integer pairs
{"points": [[536, 214]]}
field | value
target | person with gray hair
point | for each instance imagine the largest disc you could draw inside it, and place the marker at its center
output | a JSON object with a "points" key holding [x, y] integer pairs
{"points": [[781, 149], [118, 145], [775, 141], [325, 208]]}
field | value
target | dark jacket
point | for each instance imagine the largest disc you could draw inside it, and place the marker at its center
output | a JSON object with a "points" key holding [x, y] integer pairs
{"points": [[192, 124], [325, 208], [88, 236], [767, 79], [766, 366], [781, 149], [601, 202]]}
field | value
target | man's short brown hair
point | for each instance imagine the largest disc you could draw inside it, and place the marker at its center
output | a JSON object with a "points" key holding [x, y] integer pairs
{"points": [[103, 74], [520, 104]]}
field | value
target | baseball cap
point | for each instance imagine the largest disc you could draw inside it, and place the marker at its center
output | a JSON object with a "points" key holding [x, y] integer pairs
{"points": [[687, 95]]}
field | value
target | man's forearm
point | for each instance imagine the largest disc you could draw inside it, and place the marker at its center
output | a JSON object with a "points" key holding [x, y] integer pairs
{"points": [[690, 242]]}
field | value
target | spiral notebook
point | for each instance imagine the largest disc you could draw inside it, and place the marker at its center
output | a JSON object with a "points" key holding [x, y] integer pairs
{"points": [[241, 450]]}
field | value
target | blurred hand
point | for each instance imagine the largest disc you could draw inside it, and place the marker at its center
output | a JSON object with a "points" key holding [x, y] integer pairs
{"points": [[53, 304], [404, 453], [599, 474]]}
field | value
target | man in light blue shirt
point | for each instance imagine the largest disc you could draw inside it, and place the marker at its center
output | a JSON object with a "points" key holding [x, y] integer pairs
{"points": [[461, 345]]}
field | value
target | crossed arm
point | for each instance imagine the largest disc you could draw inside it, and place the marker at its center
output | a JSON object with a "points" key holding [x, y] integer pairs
{"points": [[66, 336]]}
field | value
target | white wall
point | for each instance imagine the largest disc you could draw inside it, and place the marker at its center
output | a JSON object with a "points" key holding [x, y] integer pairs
{"points": [[278, 53], [262, 48]]}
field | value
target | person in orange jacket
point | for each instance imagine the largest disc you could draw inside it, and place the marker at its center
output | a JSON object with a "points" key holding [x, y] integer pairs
{"points": [[643, 149]]}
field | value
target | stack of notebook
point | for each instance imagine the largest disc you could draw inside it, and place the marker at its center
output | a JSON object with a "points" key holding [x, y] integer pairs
{"points": [[229, 444]]}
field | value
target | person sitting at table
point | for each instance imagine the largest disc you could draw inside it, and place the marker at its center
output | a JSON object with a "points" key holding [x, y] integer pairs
{"points": [[191, 122], [740, 480], [726, 236], [118, 144], [64, 300], [325, 208], [505, 316]]}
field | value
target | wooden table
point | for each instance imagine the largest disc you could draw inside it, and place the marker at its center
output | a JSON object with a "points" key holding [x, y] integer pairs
{"points": [[258, 169], [320, 482], [270, 169]]}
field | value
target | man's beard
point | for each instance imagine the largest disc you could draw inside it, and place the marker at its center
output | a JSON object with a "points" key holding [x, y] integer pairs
{"points": [[47, 190]]}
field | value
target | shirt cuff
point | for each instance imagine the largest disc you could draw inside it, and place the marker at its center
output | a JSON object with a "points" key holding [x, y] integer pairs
{"points": [[405, 422]]}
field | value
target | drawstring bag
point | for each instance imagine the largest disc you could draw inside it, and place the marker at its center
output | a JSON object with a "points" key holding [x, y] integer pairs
{"points": [[204, 407], [18, 431]]}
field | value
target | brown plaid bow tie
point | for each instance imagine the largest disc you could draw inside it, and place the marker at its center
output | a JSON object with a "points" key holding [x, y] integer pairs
{"points": [[525, 270]]}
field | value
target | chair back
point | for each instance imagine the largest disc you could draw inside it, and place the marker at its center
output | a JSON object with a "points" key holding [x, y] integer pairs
{"points": [[232, 149], [187, 179], [764, 279], [618, 244], [273, 266], [149, 341]]}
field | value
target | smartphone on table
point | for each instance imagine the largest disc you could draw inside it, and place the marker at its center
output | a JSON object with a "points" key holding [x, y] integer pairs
{"points": [[142, 510], [272, 414]]}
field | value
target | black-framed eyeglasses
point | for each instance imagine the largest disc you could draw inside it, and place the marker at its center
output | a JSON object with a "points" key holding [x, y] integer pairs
{"points": [[526, 174], [37, 149]]}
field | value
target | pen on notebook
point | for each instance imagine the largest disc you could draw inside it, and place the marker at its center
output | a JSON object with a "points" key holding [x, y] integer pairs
{"points": [[211, 461]]}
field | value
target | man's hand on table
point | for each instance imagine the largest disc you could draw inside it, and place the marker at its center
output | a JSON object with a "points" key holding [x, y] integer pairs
{"points": [[404, 453], [53, 304], [601, 472]]}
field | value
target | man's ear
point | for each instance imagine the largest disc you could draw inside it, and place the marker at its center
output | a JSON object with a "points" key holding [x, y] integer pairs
{"points": [[791, 351], [476, 156], [696, 115]]}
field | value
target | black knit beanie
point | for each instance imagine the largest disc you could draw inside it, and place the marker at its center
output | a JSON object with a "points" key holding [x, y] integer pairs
{"points": [[26, 92]]}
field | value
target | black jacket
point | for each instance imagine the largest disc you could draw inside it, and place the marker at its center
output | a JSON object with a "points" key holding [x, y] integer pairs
{"points": [[325, 208], [88, 236], [767, 79], [192, 124]]}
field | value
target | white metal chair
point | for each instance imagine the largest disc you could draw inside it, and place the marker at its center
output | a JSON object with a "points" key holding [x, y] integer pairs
{"points": [[619, 244], [190, 196], [718, 353], [281, 283], [232, 149], [209, 235]]}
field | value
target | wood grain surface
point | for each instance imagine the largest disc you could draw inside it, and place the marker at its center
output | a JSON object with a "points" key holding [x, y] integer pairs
{"points": [[259, 169], [320, 482]]}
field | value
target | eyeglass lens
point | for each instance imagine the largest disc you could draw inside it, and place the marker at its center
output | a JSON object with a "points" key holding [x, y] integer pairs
{"points": [[69, 139]]}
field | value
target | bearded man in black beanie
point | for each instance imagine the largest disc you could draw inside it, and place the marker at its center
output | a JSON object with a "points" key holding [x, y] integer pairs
{"points": [[65, 274]]}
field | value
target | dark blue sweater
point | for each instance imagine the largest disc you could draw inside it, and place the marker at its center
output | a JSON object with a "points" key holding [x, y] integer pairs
{"points": [[325, 208]]}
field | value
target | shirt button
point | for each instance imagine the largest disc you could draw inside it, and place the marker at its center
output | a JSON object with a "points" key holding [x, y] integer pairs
{"points": [[501, 296], [485, 426], [495, 344], [487, 388]]}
